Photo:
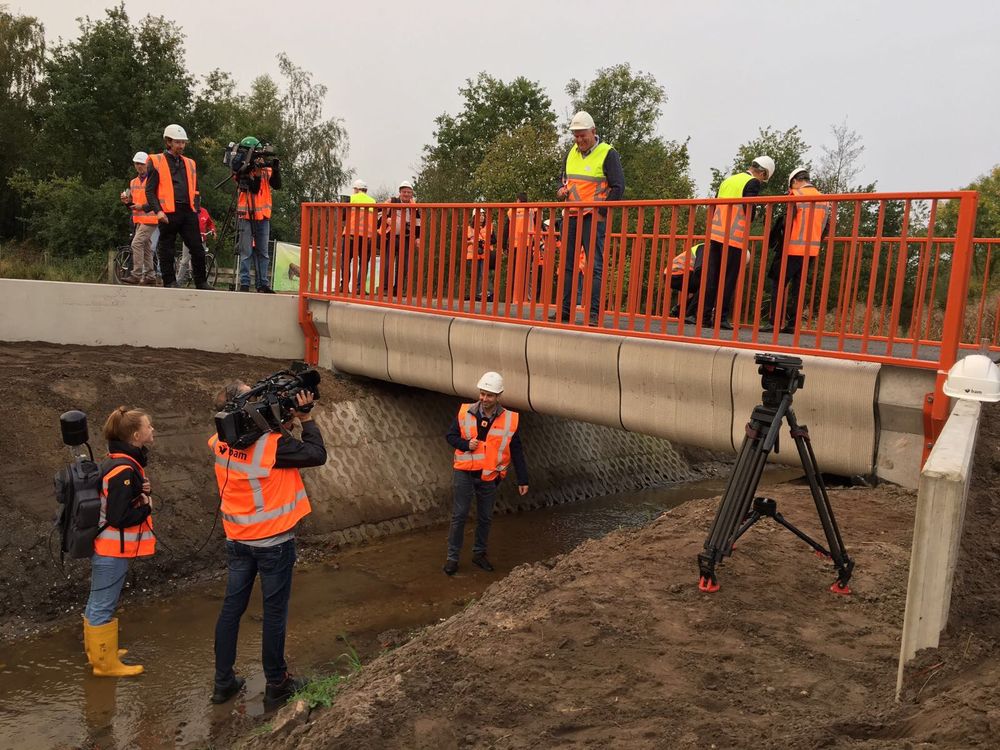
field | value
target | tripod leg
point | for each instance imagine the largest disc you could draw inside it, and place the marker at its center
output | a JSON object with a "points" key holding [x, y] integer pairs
{"points": [[841, 560]]}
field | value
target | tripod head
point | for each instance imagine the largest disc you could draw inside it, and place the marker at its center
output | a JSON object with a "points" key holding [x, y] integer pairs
{"points": [[780, 376]]}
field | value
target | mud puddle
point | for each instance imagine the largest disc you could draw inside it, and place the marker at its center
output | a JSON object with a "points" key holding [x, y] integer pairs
{"points": [[48, 699]]}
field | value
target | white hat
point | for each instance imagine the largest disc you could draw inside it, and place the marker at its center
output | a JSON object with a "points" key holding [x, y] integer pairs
{"points": [[976, 378], [175, 132], [795, 174], [767, 164], [491, 382], [359, 185], [141, 157], [406, 183], [582, 121]]}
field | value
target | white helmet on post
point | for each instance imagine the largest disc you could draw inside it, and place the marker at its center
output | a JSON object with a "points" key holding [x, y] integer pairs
{"points": [[803, 171], [767, 164], [175, 132], [491, 382]]}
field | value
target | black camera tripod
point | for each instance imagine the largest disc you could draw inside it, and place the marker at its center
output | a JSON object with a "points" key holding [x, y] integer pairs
{"points": [[740, 509]]}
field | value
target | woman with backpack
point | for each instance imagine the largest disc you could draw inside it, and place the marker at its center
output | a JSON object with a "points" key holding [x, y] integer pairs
{"points": [[126, 532]]}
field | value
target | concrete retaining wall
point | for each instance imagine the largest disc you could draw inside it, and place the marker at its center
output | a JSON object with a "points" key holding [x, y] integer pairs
{"points": [[264, 325], [937, 532]]}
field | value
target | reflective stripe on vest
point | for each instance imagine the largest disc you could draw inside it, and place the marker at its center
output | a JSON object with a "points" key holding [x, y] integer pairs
{"points": [[492, 456], [473, 238], [361, 223], [165, 190], [808, 224], [132, 541], [733, 217], [258, 501], [681, 265], [137, 188], [585, 179], [261, 201]]}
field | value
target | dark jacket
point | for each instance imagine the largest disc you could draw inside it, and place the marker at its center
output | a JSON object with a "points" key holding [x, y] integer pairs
{"points": [[301, 454], [124, 489]]}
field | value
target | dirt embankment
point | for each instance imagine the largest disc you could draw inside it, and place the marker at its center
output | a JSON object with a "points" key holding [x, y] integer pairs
{"points": [[176, 387], [612, 645]]}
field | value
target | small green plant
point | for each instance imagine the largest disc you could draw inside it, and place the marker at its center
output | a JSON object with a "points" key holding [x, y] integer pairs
{"points": [[320, 691]]}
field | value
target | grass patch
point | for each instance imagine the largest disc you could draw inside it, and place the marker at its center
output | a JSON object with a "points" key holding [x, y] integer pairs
{"points": [[320, 691], [28, 262]]}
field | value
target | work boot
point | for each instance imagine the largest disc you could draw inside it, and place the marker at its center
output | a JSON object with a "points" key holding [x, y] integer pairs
{"points": [[147, 282], [725, 325], [277, 693], [594, 321], [690, 319], [172, 285], [132, 279], [675, 311], [788, 329], [204, 285], [244, 287], [265, 290], [86, 644], [101, 644], [482, 562], [766, 328], [227, 690], [450, 567]]}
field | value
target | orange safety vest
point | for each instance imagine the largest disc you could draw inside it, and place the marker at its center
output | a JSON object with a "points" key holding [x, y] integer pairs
{"points": [[137, 188], [731, 218], [472, 239], [808, 224], [258, 501], [360, 221], [261, 201], [680, 265], [492, 457], [165, 190], [133, 541], [521, 223]]}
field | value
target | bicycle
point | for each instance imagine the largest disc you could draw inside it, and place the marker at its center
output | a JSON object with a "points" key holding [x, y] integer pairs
{"points": [[123, 265]]}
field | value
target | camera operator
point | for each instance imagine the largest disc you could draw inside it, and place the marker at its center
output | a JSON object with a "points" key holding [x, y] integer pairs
{"points": [[256, 174], [170, 191], [262, 499]]}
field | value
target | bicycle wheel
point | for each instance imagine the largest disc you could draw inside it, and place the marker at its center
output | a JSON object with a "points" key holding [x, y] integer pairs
{"points": [[123, 263], [211, 269]]}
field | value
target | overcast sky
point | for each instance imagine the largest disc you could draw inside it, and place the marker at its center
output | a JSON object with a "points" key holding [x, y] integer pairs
{"points": [[917, 79]]}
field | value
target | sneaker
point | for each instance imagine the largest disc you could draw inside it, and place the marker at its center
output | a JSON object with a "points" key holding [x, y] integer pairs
{"points": [[450, 567], [265, 290], [788, 329], [725, 325], [482, 562], [244, 287], [223, 693], [553, 315], [275, 694], [690, 319]]}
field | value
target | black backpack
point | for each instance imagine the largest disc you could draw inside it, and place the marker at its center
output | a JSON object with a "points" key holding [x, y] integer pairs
{"points": [[78, 491]]}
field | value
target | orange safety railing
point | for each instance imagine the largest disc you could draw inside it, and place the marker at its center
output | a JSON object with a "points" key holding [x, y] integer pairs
{"points": [[894, 278]]}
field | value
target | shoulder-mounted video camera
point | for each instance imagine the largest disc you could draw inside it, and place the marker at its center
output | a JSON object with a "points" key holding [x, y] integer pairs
{"points": [[266, 406], [247, 155]]}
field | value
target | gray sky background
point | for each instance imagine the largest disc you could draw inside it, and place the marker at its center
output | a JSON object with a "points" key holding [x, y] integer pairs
{"points": [[916, 79]]}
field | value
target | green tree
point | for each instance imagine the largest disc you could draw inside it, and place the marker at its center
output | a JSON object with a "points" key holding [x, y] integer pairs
{"points": [[492, 109], [528, 160], [787, 148], [626, 107], [110, 92], [22, 55]]}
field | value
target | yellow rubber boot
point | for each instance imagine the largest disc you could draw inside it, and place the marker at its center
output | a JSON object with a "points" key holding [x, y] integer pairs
{"points": [[102, 650], [86, 643]]}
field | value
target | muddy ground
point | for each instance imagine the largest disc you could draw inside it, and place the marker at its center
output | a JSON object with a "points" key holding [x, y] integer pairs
{"points": [[38, 382], [613, 645]]}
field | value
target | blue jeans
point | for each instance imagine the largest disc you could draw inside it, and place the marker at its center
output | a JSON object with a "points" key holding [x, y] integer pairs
{"points": [[107, 576], [252, 239], [274, 564], [570, 258], [466, 487]]}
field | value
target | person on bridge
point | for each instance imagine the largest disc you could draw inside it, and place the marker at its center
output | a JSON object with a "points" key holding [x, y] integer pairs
{"points": [[729, 230], [144, 221], [593, 173], [686, 264], [810, 222], [126, 532], [206, 226], [356, 245], [480, 243], [402, 238], [253, 216], [262, 499], [522, 228], [170, 191], [486, 440]]}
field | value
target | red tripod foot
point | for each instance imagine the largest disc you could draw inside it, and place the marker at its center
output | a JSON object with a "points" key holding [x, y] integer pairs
{"points": [[708, 585], [840, 588]]}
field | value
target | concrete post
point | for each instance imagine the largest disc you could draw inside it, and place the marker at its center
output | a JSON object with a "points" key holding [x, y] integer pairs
{"points": [[937, 533]]}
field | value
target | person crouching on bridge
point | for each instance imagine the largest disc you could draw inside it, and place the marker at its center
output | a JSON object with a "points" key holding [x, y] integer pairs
{"points": [[126, 532], [262, 500], [486, 440]]}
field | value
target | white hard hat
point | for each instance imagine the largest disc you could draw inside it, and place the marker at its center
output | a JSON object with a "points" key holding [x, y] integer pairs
{"points": [[141, 157], [795, 173], [582, 121], [406, 183], [491, 382], [175, 132], [975, 378], [359, 185], [767, 164]]}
